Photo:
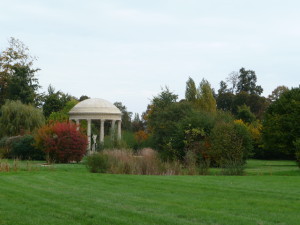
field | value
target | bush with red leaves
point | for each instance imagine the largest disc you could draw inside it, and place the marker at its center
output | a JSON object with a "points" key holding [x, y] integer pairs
{"points": [[61, 142]]}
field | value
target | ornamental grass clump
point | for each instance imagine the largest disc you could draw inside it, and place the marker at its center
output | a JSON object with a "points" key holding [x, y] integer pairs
{"points": [[5, 166], [125, 161]]}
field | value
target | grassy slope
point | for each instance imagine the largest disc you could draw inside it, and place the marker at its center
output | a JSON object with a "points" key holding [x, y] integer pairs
{"points": [[71, 195]]}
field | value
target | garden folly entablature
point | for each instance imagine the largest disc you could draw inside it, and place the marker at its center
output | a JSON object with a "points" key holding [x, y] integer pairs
{"points": [[96, 109]]}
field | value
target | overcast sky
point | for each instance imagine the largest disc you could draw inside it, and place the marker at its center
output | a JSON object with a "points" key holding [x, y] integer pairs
{"points": [[126, 50]]}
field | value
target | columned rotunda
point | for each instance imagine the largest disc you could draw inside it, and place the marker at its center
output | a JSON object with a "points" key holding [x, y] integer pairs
{"points": [[97, 109]]}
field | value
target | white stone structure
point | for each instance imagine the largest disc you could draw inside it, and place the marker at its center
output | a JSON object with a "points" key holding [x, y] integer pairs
{"points": [[96, 109]]}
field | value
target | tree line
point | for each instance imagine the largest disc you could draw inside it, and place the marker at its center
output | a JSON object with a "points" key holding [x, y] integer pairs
{"points": [[207, 125]]}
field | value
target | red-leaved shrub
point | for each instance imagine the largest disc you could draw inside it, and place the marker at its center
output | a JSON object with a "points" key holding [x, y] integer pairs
{"points": [[61, 142]]}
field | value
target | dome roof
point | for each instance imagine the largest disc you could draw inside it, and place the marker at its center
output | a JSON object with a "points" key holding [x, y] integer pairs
{"points": [[95, 106]]}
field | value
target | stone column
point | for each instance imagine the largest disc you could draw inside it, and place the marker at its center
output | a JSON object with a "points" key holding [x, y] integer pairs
{"points": [[102, 131], [89, 123], [112, 130], [77, 123], [113, 122], [119, 130]]}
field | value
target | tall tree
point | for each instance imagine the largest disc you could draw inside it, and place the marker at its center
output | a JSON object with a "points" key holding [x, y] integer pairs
{"points": [[247, 82], [158, 104], [17, 75], [165, 98], [232, 79], [23, 85], [224, 97], [225, 101], [162, 124], [126, 116], [281, 125], [55, 101], [63, 114], [83, 97], [244, 113], [277, 92], [17, 118], [205, 98], [137, 124], [223, 88], [190, 90]]}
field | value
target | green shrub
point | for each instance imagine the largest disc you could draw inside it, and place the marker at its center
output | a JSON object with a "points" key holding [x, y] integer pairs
{"points": [[129, 140], [188, 134], [4, 148], [23, 148], [97, 163], [297, 151], [298, 157], [196, 151], [231, 145], [111, 141], [6, 144]]}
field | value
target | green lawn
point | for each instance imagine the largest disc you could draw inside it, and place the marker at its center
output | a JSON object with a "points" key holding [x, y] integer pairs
{"points": [[269, 193]]}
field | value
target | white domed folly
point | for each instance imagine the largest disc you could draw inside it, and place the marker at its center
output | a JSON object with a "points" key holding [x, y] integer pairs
{"points": [[96, 109], [95, 106]]}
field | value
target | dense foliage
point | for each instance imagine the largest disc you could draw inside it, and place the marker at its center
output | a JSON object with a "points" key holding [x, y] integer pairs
{"points": [[97, 163], [205, 99], [18, 119], [200, 129], [247, 82], [281, 125], [17, 75], [126, 116], [240, 90], [63, 114], [191, 90], [62, 142], [55, 101], [297, 150], [231, 146], [20, 147], [181, 131]]}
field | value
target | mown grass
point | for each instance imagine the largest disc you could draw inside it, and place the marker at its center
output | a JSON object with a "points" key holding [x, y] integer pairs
{"points": [[272, 167], [68, 194]]}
